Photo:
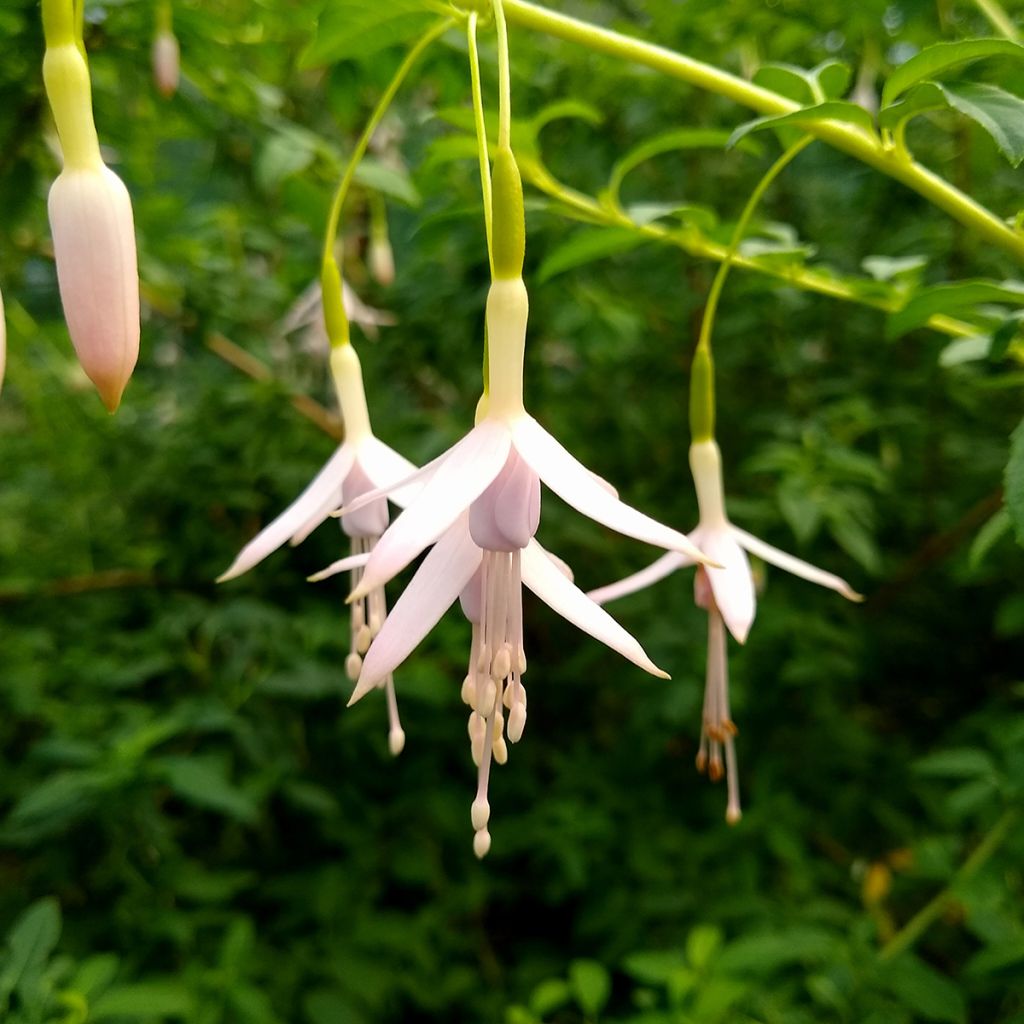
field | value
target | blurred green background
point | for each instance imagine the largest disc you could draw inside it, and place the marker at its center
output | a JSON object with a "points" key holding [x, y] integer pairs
{"points": [[192, 826]]}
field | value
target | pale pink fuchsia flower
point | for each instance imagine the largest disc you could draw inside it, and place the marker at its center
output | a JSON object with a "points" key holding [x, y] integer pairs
{"points": [[94, 246], [480, 508], [727, 594], [361, 464], [166, 62], [93, 229]]}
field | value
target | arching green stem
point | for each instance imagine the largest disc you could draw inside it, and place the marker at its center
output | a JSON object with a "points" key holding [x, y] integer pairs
{"points": [[481, 129], [330, 273], [702, 372]]}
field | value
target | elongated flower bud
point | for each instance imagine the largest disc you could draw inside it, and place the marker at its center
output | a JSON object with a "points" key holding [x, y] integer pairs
{"points": [[94, 245], [92, 224], [166, 62]]}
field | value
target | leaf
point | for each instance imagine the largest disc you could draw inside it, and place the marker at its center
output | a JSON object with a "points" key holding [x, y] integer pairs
{"points": [[961, 763], [988, 536], [1000, 113], [203, 783], [549, 995], [701, 945], [59, 799], [667, 142], [996, 957], [966, 350], [145, 999], [941, 57], [831, 110], [30, 942], [283, 155], [590, 985], [895, 268], [350, 29], [950, 298], [1013, 481], [828, 80], [586, 246], [922, 989], [654, 967], [392, 181], [766, 953]]}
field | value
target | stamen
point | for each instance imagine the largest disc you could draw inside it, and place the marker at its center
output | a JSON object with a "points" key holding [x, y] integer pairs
{"points": [[718, 730]]}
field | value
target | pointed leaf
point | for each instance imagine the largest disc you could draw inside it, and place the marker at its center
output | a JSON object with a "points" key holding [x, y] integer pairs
{"points": [[934, 60], [1013, 481], [354, 29], [586, 246], [832, 110], [951, 298]]}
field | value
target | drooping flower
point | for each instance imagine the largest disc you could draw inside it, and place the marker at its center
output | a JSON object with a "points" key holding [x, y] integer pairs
{"points": [[360, 464], [91, 219], [727, 594], [480, 508]]}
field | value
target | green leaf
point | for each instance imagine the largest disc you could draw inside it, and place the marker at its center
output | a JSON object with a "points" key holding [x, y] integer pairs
{"points": [[654, 967], [350, 29], [586, 246], [988, 536], [941, 57], [145, 999], [766, 953], [202, 782], [590, 985], [701, 945], [667, 142], [1013, 481], [391, 181], [59, 799], [831, 110], [966, 350], [922, 989], [950, 298], [997, 957], [895, 268], [961, 763], [550, 995], [30, 942], [827, 81], [283, 155], [1000, 113]]}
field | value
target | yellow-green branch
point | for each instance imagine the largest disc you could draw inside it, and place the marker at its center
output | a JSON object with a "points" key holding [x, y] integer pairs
{"points": [[848, 139]]}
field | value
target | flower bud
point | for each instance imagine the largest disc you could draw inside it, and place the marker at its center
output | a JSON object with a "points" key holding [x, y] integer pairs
{"points": [[166, 62], [97, 270], [382, 260]]}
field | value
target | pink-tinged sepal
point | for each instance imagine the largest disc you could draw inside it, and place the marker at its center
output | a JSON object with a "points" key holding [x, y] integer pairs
{"points": [[97, 270]]}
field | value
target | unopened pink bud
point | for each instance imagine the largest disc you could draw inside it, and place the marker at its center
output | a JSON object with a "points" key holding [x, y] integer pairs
{"points": [[97, 270], [166, 63]]}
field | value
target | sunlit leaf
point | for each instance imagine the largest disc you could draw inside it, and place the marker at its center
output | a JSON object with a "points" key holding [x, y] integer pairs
{"points": [[832, 110], [941, 57], [350, 29], [951, 298]]}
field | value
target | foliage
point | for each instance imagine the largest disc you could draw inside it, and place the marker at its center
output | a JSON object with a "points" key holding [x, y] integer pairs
{"points": [[195, 829]]}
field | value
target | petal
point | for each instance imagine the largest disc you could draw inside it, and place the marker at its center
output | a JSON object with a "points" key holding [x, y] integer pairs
{"points": [[305, 513], [460, 478], [733, 584], [796, 566], [575, 484], [341, 565], [386, 468], [668, 563], [409, 485], [432, 591], [543, 577]]}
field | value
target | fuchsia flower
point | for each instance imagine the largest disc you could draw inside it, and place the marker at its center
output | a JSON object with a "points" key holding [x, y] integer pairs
{"points": [[92, 224], [479, 507], [94, 246], [727, 594], [360, 464]]}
